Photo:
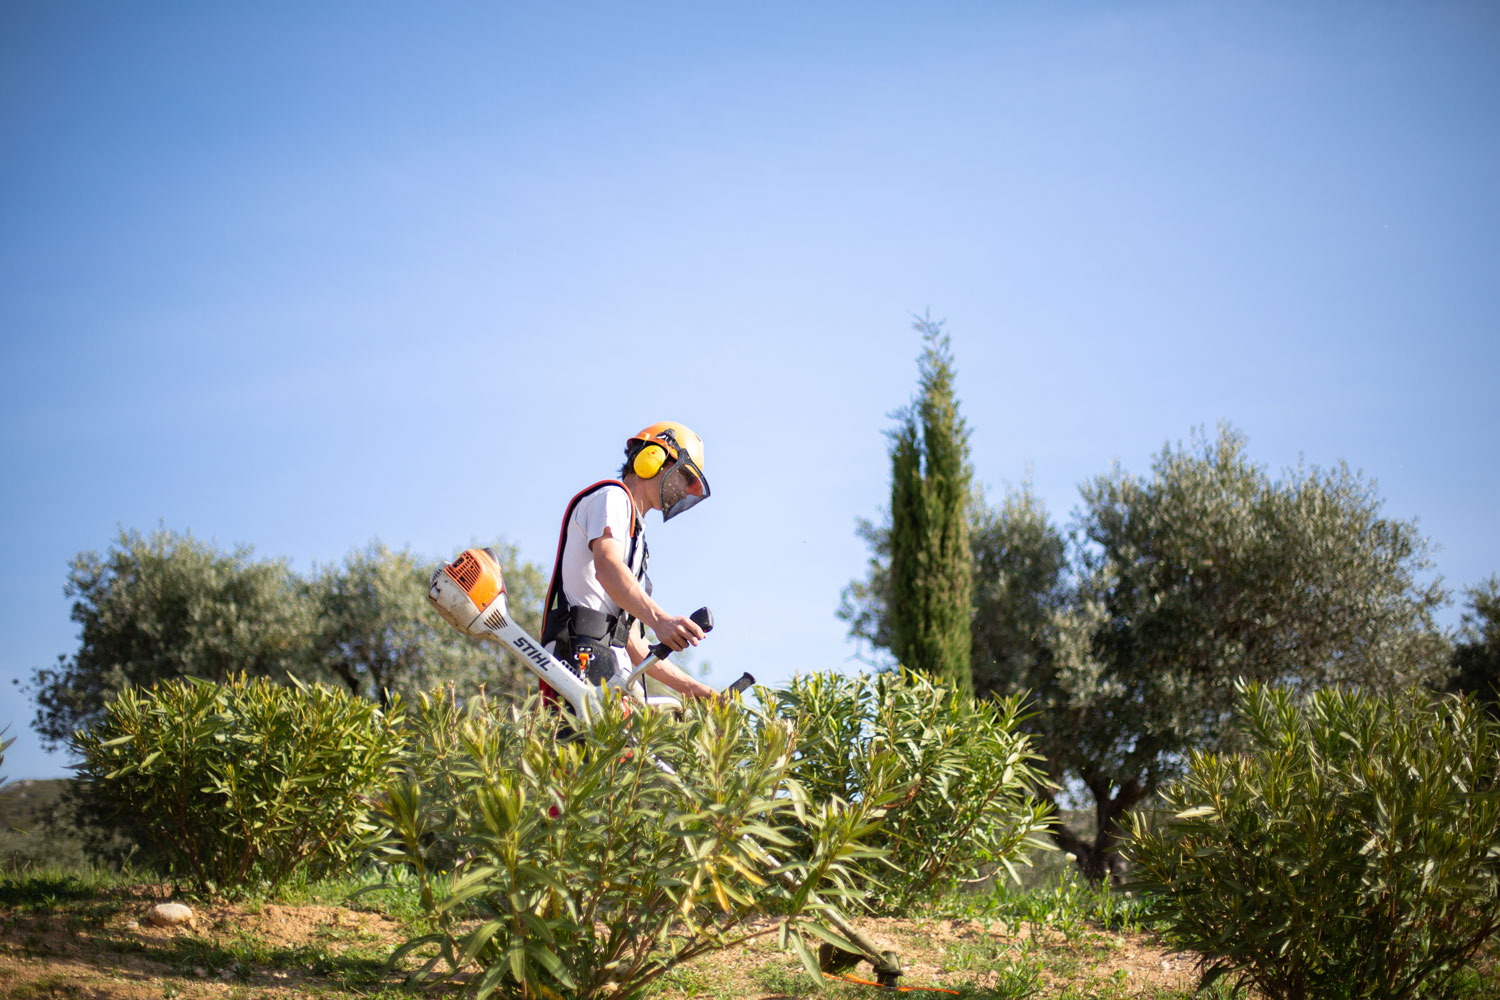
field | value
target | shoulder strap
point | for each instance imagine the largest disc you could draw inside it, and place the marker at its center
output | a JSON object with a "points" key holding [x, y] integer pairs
{"points": [[555, 609]]}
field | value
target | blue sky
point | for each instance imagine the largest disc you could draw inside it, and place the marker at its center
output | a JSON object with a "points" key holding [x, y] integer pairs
{"points": [[302, 276]]}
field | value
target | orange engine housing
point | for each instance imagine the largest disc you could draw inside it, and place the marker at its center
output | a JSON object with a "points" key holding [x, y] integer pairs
{"points": [[477, 571]]}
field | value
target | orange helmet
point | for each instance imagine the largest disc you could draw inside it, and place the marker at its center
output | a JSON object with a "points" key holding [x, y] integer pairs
{"points": [[666, 442]]}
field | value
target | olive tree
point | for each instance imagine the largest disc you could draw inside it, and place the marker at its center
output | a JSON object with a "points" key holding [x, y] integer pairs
{"points": [[1129, 632], [377, 635], [166, 605], [1476, 655], [1208, 572]]}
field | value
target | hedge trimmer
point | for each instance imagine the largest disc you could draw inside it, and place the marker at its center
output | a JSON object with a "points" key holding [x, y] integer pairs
{"points": [[469, 593]]}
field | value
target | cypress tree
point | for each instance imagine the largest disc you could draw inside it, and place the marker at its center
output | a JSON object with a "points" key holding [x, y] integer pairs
{"points": [[931, 583]]}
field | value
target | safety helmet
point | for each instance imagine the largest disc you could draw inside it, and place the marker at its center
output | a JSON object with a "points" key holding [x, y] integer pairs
{"points": [[684, 484]]}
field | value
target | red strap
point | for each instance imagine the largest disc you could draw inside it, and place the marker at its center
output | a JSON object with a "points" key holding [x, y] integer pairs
{"points": [[550, 697]]}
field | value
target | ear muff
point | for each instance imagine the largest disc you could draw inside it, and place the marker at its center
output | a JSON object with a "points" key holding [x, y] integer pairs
{"points": [[649, 460]]}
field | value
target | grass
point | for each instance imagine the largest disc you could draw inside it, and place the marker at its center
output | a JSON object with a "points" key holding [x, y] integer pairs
{"points": [[1069, 903]]}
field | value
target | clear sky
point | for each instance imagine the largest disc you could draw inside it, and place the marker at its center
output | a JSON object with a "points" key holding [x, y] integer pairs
{"points": [[301, 276]]}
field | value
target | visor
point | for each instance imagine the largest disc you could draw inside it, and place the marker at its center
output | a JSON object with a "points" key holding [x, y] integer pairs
{"points": [[682, 486]]}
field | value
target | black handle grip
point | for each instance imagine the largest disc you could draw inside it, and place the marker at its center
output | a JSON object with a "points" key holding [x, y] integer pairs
{"points": [[741, 685], [703, 618]]}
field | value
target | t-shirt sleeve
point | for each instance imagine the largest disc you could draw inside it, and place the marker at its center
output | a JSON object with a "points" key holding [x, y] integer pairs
{"points": [[610, 507]]}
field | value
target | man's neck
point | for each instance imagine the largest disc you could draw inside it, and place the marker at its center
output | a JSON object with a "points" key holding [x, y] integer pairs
{"points": [[641, 493]]}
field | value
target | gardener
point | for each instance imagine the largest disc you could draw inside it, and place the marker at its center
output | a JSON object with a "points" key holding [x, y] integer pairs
{"points": [[599, 587]]}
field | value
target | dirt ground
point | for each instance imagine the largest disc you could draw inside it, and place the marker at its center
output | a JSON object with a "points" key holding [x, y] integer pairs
{"points": [[949, 953], [102, 948]]}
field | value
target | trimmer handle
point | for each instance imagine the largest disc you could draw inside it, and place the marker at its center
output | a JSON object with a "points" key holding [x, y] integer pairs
{"points": [[740, 686], [703, 618]]}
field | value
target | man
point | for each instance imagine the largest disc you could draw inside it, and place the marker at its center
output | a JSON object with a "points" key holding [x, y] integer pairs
{"points": [[599, 586]]}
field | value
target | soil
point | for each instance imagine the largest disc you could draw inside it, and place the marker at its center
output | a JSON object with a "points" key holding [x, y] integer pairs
{"points": [[933, 953], [102, 948]]}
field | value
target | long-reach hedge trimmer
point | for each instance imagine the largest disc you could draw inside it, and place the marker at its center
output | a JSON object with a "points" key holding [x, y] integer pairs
{"points": [[469, 593]]}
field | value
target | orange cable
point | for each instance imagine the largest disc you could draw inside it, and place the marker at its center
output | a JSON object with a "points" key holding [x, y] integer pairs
{"points": [[898, 989]]}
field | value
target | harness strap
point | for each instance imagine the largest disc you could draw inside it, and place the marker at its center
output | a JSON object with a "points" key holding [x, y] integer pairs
{"points": [[559, 618]]}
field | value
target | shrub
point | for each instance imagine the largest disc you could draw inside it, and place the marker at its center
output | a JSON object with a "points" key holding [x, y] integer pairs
{"points": [[965, 772], [241, 783], [598, 864], [1353, 851]]}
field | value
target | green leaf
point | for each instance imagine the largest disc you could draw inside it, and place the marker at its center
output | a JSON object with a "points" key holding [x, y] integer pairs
{"points": [[831, 937], [809, 960]]}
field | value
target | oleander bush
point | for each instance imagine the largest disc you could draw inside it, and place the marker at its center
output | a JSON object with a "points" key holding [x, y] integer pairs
{"points": [[965, 770], [243, 784], [595, 865], [1352, 852]]}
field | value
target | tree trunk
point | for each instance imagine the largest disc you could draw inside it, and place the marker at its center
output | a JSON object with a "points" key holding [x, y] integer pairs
{"points": [[1099, 858]]}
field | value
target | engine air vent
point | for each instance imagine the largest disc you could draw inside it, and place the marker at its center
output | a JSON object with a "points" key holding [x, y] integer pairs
{"points": [[465, 569]]}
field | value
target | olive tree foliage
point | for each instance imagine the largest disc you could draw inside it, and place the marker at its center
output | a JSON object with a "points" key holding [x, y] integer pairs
{"points": [[163, 605], [377, 635], [167, 605], [1476, 655], [1022, 592], [1129, 632], [1208, 572], [930, 568]]}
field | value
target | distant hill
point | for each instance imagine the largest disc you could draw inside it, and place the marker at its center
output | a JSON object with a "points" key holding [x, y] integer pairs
{"points": [[26, 838], [24, 802]]}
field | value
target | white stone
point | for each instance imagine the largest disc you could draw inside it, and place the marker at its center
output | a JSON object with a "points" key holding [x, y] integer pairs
{"points": [[170, 915]]}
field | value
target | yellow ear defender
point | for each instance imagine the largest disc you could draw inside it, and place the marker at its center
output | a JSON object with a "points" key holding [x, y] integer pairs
{"points": [[649, 460]]}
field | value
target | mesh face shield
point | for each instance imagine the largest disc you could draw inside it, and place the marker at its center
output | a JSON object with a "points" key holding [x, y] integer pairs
{"points": [[682, 486]]}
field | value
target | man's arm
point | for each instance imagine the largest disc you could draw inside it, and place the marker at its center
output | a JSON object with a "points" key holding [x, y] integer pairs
{"points": [[668, 673], [624, 589]]}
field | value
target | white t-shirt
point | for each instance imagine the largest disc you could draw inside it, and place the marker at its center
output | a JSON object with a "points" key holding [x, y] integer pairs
{"points": [[611, 507]]}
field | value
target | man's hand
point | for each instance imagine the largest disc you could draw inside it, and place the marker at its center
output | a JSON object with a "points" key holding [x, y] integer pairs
{"points": [[676, 631]]}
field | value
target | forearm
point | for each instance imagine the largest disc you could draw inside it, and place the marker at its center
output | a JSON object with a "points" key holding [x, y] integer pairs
{"points": [[673, 677], [667, 673], [626, 591]]}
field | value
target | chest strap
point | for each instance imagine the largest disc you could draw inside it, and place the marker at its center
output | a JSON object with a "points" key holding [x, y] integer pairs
{"points": [[559, 618]]}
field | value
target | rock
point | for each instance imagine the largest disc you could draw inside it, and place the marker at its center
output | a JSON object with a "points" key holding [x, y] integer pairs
{"points": [[132, 925], [170, 915]]}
